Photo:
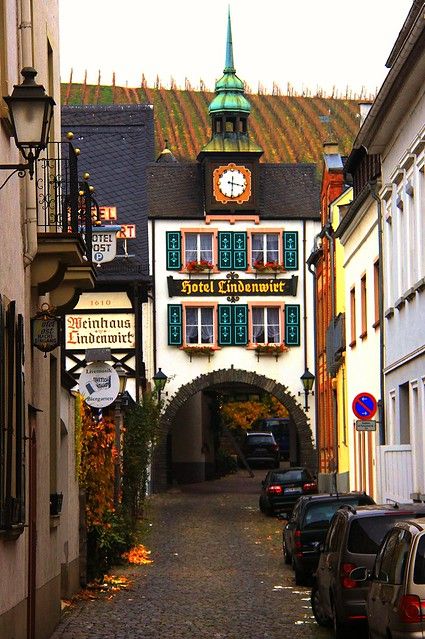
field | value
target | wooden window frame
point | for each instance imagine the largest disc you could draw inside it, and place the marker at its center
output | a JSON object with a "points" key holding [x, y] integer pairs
{"points": [[353, 317], [376, 267], [281, 307], [199, 231], [263, 231], [363, 306], [214, 305]]}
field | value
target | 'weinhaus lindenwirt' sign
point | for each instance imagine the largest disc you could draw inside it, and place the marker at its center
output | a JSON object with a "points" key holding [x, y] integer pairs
{"points": [[240, 287], [114, 330]]}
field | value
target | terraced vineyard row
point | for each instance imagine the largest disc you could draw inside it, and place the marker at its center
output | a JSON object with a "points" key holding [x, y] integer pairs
{"points": [[288, 128]]}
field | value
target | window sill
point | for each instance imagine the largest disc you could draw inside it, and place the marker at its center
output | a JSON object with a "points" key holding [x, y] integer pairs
{"points": [[13, 533], [376, 324], [389, 312], [363, 335], [55, 520], [352, 343]]}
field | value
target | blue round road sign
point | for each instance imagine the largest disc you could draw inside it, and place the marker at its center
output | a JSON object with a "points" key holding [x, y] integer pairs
{"points": [[364, 406]]}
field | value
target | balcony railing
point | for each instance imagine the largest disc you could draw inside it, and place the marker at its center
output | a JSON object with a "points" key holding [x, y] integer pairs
{"points": [[64, 205]]}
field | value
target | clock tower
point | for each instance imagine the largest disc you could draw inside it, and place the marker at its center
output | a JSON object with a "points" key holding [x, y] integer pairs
{"points": [[230, 159]]}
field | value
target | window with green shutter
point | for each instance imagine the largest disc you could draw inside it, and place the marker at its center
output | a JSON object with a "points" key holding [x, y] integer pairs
{"points": [[175, 325], [232, 324], [290, 250], [232, 250], [292, 324], [173, 246]]}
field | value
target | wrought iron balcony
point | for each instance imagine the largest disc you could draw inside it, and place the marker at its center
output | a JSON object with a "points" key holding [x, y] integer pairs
{"points": [[64, 206]]}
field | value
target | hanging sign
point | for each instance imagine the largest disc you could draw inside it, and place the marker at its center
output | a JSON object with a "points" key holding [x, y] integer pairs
{"points": [[104, 243], [111, 330], [366, 425], [99, 384], [45, 329], [364, 406]]}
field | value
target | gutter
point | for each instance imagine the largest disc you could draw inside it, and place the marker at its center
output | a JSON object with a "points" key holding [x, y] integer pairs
{"points": [[311, 265]]}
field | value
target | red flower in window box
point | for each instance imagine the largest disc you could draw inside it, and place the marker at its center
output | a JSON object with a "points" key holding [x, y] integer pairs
{"points": [[270, 349], [268, 267], [195, 266]]}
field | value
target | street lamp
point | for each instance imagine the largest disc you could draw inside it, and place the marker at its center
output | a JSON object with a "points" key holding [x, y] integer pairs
{"points": [[31, 112], [159, 380], [122, 376], [307, 380]]}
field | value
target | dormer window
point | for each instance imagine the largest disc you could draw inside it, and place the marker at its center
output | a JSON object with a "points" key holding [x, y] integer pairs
{"points": [[230, 125]]}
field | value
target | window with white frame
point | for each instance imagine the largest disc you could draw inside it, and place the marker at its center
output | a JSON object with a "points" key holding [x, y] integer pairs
{"points": [[198, 247], [264, 247], [266, 325], [199, 325]]}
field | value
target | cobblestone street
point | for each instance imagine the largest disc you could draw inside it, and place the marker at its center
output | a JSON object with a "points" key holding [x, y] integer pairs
{"points": [[218, 573]]}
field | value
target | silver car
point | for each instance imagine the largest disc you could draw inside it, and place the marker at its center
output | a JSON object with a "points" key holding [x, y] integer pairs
{"points": [[396, 601]]}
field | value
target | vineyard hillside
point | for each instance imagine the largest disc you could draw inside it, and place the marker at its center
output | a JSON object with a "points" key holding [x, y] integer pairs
{"points": [[289, 128]]}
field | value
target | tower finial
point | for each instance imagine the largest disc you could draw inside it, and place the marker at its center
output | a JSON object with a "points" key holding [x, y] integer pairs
{"points": [[229, 64]]}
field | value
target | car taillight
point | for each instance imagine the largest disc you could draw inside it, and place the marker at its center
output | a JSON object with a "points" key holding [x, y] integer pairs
{"points": [[275, 447], [309, 486], [297, 542], [411, 609], [274, 490], [346, 580]]}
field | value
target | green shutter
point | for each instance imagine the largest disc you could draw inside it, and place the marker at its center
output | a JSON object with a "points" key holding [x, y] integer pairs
{"points": [[290, 250], [175, 325], [239, 250], [225, 262], [174, 255], [240, 324], [225, 325], [292, 324]]}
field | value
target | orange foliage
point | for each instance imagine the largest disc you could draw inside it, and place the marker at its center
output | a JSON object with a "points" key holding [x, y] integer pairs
{"points": [[242, 414], [97, 464], [138, 555]]}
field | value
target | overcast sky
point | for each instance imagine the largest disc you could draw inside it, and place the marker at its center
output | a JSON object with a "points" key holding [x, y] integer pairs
{"points": [[307, 43]]}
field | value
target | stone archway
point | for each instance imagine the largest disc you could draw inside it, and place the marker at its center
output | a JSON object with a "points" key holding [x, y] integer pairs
{"points": [[227, 376]]}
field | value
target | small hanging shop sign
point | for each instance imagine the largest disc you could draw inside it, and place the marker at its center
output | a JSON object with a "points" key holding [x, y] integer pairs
{"points": [[45, 328]]}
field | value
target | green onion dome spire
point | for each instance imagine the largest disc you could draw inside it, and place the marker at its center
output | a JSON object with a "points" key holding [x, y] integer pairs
{"points": [[229, 89]]}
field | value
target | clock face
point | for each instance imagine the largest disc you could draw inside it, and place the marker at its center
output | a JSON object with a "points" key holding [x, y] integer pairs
{"points": [[232, 183]]}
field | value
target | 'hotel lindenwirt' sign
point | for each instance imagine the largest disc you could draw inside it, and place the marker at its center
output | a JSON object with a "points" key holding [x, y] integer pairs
{"points": [[114, 330], [198, 287]]}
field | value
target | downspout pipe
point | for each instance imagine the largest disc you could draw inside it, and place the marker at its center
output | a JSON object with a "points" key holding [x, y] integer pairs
{"points": [[311, 268], [373, 187]]}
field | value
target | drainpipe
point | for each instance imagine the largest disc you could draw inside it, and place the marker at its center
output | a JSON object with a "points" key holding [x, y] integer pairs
{"points": [[27, 60], [154, 338], [305, 295], [373, 185], [312, 270]]}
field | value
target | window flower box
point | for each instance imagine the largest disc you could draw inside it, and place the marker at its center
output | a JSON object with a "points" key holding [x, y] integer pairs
{"points": [[199, 351], [268, 267], [270, 349], [203, 266]]}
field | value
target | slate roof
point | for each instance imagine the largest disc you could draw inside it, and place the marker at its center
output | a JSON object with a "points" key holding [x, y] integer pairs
{"points": [[287, 191], [117, 145]]}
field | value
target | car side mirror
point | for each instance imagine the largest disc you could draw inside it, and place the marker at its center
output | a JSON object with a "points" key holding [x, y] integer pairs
{"points": [[360, 574], [283, 516]]}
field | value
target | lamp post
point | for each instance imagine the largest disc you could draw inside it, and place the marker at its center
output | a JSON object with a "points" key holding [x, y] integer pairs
{"points": [[159, 380], [122, 375], [307, 380], [31, 112]]}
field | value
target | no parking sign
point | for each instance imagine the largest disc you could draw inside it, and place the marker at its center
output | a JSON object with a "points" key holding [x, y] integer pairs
{"points": [[364, 406]]}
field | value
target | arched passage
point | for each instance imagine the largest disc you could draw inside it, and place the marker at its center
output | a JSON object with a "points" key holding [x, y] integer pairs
{"points": [[229, 376]]}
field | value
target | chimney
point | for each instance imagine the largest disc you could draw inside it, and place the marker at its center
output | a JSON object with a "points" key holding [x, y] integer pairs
{"points": [[330, 148], [364, 108]]}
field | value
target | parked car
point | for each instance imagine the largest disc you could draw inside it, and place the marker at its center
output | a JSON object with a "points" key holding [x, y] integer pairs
{"points": [[306, 529], [352, 541], [281, 429], [282, 488], [261, 448], [396, 601]]}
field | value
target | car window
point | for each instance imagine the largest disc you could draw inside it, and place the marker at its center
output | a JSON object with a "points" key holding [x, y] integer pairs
{"points": [[335, 534], [259, 439], [419, 569], [394, 557], [319, 515], [366, 533], [293, 475], [379, 556]]}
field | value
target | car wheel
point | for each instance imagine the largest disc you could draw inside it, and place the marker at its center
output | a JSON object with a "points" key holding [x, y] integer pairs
{"points": [[318, 612], [286, 555], [341, 630]]}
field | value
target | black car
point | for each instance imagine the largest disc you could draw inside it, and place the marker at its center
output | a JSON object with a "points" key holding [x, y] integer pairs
{"points": [[307, 528], [261, 448], [282, 488], [352, 541]]}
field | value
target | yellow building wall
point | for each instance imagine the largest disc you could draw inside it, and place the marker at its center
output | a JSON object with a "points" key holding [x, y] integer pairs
{"points": [[341, 379]]}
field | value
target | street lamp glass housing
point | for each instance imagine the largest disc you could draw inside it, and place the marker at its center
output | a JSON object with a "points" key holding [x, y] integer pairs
{"points": [[122, 375], [160, 379], [307, 379], [31, 112]]}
